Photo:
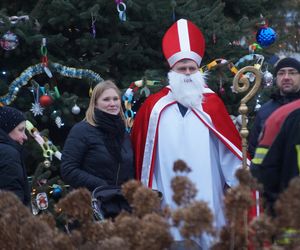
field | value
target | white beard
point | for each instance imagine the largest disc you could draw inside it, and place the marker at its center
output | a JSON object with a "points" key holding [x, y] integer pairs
{"points": [[187, 89]]}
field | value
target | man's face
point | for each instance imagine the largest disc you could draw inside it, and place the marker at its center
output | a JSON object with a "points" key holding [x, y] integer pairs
{"points": [[187, 83], [288, 80], [186, 67]]}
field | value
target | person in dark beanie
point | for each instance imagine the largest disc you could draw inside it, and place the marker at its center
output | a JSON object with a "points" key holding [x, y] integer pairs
{"points": [[288, 83], [13, 176]]}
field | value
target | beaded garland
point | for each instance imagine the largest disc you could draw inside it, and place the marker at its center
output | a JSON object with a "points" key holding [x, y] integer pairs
{"points": [[37, 69]]}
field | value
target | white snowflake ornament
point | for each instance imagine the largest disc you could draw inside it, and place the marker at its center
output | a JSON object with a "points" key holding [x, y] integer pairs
{"points": [[37, 109]]}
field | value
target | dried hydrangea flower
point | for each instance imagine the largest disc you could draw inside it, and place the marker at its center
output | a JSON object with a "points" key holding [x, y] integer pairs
{"points": [[145, 201], [184, 191], [76, 205], [129, 188], [181, 166]]}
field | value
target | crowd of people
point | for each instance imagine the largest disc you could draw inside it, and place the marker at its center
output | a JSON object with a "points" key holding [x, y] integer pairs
{"points": [[185, 121]]}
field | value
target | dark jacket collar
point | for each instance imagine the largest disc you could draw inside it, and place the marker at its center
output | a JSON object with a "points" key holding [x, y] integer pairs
{"points": [[286, 98], [5, 139]]}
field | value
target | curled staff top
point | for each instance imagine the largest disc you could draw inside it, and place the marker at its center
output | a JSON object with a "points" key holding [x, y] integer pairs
{"points": [[37, 69]]}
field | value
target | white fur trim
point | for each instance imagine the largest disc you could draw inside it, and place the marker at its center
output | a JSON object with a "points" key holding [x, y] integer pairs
{"points": [[184, 55]]}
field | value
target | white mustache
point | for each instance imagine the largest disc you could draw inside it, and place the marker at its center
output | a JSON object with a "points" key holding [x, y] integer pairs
{"points": [[187, 80], [187, 89]]}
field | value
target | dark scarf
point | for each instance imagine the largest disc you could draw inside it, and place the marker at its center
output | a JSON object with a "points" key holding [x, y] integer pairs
{"points": [[113, 128]]}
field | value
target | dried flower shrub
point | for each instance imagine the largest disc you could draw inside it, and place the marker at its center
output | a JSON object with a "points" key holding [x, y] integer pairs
{"points": [[261, 231], [184, 191], [36, 234], [148, 226], [76, 205], [13, 215], [114, 243], [19, 229], [154, 233], [49, 219], [181, 166], [128, 228], [129, 188], [287, 206], [194, 220], [145, 201], [238, 201], [287, 219]]}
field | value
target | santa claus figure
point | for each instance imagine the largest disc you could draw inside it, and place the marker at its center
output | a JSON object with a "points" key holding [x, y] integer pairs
{"points": [[188, 121]]}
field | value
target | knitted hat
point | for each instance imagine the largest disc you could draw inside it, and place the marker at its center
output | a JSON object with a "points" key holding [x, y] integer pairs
{"points": [[287, 62], [10, 118], [183, 40]]}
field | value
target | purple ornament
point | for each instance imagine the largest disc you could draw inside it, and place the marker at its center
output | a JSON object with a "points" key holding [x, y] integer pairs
{"points": [[265, 36]]}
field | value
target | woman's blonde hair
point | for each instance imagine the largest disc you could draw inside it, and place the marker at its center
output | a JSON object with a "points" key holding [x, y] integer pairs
{"points": [[96, 93]]}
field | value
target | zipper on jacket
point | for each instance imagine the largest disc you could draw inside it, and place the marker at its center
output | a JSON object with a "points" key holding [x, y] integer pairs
{"points": [[119, 166]]}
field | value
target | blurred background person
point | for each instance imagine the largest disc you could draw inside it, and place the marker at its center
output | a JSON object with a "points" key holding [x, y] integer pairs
{"points": [[13, 176], [288, 84]]}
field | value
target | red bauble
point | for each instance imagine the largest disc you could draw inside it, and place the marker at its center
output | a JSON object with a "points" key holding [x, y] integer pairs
{"points": [[46, 100]]}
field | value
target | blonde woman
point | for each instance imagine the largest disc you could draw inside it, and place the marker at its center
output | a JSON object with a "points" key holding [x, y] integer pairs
{"points": [[98, 151]]}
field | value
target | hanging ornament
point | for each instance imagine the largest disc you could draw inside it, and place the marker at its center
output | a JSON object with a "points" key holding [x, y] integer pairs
{"points": [[267, 79], [58, 122], [47, 163], [250, 76], [221, 88], [75, 109], [36, 107], [42, 182], [46, 100], [214, 38], [34, 209], [173, 4], [16, 19], [121, 8], [221, 91], [265, 36], [254, 47], [45, 58], [56, 191], [9, 41], [42, 201], [93, 26]]}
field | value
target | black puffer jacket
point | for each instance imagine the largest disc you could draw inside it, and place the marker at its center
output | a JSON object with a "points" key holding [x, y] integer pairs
{"points": [[87, 163], [262, 115], [13, 176], [282, 162]]}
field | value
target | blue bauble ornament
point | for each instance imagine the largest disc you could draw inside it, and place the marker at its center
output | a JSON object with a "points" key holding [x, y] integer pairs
{"points": [[57, 192], [265, 36]]}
